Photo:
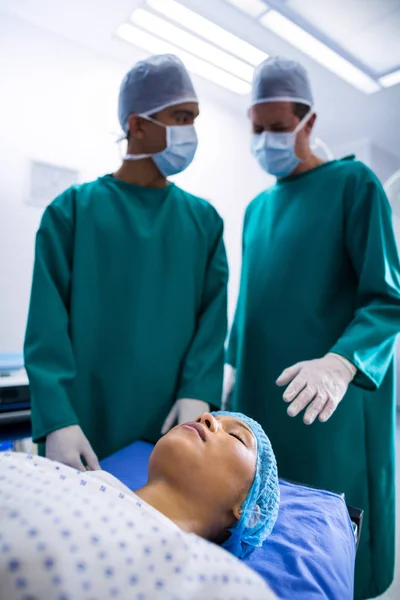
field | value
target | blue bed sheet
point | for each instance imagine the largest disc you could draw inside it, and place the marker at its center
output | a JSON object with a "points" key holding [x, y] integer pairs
{"points": [[311, 552]]}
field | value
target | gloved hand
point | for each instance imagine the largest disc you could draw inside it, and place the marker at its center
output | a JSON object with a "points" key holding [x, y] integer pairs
{"points": [[229, 384], [68, 445], [320, 383], [184, 411]]}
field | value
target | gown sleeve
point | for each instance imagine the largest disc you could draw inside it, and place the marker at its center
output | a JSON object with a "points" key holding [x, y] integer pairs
{"points": [[202, 372], [49, 358], [231, 352], [368, 341]]}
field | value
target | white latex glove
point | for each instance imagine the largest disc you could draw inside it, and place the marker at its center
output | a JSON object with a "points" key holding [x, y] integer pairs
{"points": [[229, 384], [320, 383], [68, 445], [184, 411]]}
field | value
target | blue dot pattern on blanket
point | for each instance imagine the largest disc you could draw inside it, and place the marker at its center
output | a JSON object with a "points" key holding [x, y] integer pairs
{"points": [[67, 535]]}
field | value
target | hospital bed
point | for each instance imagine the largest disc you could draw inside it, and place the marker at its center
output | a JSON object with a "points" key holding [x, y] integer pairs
{"points": [[311, 553]]}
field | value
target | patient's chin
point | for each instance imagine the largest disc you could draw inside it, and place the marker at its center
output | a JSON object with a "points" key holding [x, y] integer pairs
{"points": [[176, 454]]}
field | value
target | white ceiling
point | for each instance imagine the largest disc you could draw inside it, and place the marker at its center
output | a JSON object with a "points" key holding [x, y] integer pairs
{"points": [[344, 112], [367, 29]]}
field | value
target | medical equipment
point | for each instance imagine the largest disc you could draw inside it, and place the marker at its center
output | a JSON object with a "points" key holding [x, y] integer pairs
{"points": [[294, 562], [14, 391], [14, 401]]}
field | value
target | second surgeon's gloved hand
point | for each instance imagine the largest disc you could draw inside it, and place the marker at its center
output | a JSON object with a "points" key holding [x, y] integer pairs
{"points": [[184, 410], [319, 384], [68, 446]]}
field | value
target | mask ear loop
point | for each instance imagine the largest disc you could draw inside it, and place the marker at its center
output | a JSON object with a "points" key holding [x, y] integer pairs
{"points": [[304, 121], [126, 156], [167, 137], [153, 121], [123, 137]]}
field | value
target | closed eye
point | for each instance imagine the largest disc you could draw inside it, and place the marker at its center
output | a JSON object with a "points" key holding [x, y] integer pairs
{"points": [[238, 438]]}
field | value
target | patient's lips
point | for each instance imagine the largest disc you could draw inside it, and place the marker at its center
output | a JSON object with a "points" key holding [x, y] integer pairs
{"points": [[198, 428]]}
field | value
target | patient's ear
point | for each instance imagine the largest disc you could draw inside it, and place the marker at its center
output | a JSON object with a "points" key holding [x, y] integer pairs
{"points": [[237, 511]]}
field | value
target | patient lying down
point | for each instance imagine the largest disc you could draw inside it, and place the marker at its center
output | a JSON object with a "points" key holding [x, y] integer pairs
{"points": [[67, 535]]}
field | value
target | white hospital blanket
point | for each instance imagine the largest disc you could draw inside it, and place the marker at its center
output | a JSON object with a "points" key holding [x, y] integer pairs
{"points": [[67, 535]]}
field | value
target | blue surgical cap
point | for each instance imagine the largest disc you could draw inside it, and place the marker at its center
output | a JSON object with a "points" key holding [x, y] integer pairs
{"points": [[152, 85], [278, 79], [260, 509]]}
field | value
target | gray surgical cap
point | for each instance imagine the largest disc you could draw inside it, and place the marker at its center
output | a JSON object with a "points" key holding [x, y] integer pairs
{"points": [[152, 85], [278, 79]]}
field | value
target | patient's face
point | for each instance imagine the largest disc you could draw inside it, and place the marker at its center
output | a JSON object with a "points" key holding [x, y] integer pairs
{"points": [[212, 460]]}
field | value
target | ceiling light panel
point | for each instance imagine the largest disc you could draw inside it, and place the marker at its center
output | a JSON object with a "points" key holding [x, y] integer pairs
{"points": [[208, 30], [192, 44], [391, 79], [298, 37], [155, 45]]}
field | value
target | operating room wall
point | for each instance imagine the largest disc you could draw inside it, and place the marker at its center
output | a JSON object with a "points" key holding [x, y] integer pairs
{"points": [[382, 162], [58, 104]]}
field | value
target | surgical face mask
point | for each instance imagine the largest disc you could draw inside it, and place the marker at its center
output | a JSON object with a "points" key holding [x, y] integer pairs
{"points": [[179, 151], [275, 151]]}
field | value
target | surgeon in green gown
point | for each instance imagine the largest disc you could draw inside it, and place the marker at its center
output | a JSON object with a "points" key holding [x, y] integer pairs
{"points": [[127, 319], [319, 312]]}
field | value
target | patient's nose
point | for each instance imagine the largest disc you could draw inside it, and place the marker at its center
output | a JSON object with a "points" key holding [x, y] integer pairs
{"points": [[207, 420]]}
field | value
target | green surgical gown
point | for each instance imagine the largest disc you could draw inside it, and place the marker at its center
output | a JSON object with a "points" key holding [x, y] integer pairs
{"points": [[321, 274], [127, 313]]}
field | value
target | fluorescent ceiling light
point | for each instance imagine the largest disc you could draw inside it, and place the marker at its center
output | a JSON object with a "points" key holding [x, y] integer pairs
{"points": [[254, 8], [391, 79], [308, 44], [192, 44], [138, 37], [208, 30]]}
